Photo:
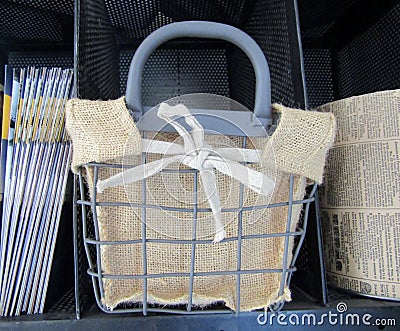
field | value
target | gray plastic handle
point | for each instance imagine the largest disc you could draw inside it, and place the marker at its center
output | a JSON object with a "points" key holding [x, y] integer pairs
{"points": [[202, 29]]}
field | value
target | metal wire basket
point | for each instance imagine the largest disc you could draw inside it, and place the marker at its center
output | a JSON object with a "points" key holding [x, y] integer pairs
{"points": [[94, 244]]}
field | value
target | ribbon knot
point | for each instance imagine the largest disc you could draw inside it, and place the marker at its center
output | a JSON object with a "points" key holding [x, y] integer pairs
{"points": [[196, 154], [197, 159]]}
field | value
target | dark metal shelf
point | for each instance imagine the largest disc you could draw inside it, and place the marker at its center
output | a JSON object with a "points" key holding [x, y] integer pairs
{"points": [[302, 306]]}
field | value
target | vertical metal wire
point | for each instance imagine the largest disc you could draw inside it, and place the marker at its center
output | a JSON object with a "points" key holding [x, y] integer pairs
{"points": [[302, 236], [96, 230], [321, 252], [287, 238], [144, 238], [85, 236], [193, 251], [84, 220], [239, 240], [301, 57], [75, 243]]}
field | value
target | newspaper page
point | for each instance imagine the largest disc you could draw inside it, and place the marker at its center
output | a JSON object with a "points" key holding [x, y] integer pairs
{"points": [[360, 198]]}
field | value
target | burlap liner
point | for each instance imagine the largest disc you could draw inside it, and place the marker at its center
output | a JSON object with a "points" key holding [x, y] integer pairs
{"points": [[299, 143], [97, 129]]}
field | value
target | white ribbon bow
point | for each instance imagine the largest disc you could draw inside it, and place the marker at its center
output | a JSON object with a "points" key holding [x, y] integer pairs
{"points": [[197, 154]]}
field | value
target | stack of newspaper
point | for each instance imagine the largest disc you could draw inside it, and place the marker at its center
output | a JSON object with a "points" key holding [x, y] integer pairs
{"points": [[34, 168]]}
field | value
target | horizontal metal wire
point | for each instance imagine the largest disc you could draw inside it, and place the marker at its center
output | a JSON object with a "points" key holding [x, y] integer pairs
{"points": [[94, 273], [126, 166], [175, 311], [189, 242], [190, 210]]}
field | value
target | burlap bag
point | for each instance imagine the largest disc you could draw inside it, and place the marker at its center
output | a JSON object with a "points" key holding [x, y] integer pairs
{"points": [[99, 132]]}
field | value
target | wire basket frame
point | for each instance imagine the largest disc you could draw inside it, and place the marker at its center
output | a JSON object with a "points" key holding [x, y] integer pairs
{"points": [[93, 244]]}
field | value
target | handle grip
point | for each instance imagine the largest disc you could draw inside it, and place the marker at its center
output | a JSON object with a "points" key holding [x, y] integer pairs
{"points": [[202, 29]]}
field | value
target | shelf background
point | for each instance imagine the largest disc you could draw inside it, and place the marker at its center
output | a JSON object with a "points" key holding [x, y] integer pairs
{"points": [[41, 33]]}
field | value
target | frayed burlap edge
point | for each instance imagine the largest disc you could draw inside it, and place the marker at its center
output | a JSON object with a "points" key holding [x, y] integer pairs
{"points": [[308, 162], [99, 130], [200, 301]]}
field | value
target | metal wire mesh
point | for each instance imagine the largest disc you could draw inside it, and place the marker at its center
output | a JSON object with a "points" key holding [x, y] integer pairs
{"points": [[65, 304], [103, 67], [318, 69], [97, 53], [59, 6], [365, 62], [52, 59], [21, 22], [370, 62], [93, 243], [139, 18], [174, 72], [268, 24]]}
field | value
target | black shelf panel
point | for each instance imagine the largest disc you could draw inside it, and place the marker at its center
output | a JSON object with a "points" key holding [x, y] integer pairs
{"points": [[302, 306]]}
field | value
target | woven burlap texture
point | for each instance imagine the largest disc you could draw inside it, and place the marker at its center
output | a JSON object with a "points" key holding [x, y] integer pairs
{"points": [[299, 143], [97, 129]]}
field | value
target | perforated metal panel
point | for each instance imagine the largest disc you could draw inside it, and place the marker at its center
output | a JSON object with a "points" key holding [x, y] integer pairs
{"points": [[59, 6], [173, 72], [66, 304], [371, 61], [316, 32], [25, 59], [319, 82], [265, 21], [136, 18], [97, 53], [23, 22], [318, 16], [242, 79], [125, 58], [272, 24], [139, 18]]}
